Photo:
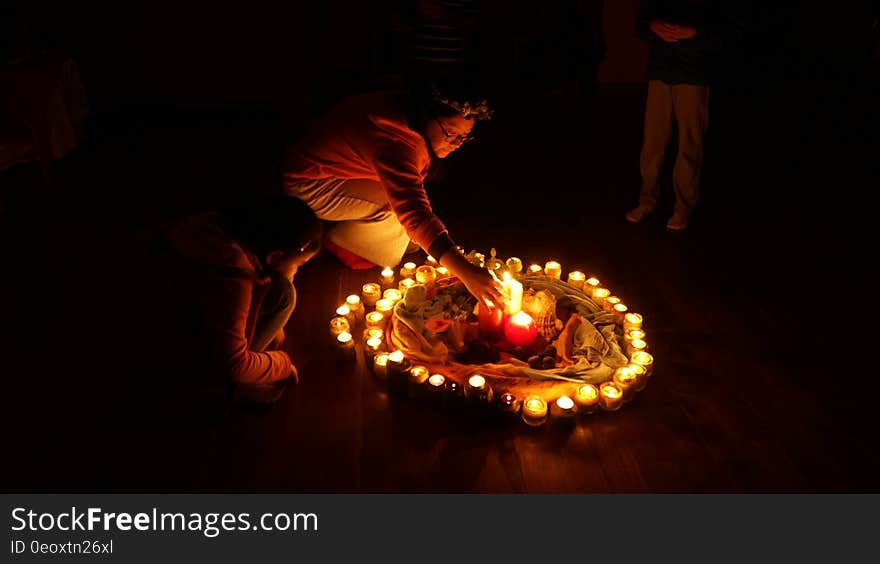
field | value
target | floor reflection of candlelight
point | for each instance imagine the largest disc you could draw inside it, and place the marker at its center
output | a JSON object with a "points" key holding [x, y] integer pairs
{"points": [[534, 410], [371, 292], [587, 398], [553, 269], [610, 396]]}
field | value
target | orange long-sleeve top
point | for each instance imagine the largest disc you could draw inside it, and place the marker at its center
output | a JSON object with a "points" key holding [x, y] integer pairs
{"points": [[366, 136]]}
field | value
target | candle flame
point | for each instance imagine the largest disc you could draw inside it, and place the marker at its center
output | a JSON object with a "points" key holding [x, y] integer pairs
{"points": [[396, 356], [564, 402], [592, 281], [522, 319], [353, 300], [437, 380], [344, 337], [409, 266], [381, 359], [387, 272], [610, 391], [477, 381], [374, 343], [343, 310], [587, 392]]}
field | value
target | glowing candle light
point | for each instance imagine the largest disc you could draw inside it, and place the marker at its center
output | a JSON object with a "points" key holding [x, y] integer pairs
{"points": [[591, 284], [534, 410], [371, 292], [634, 334], [627, 379], [619, 310], [345, 311], [610, 396], [636, 345], [396, 368], [599, 295], [432, 261], [643, 359], [373, 345], [384, 306], [426, 274], [357, 308], [490, 319], [393, 295], [536, 269], [375, 320], [576, 279], [587, 398], [442, 272], [387, 276], [553, 268], [380, 366], [520, 329], [339, 324], [514, 265], [408, 270], [513, 291], [610, 302], [373, 333], [418, 376], [641, 376], [508, 403], [405, 285], [345, 342], [632, 321], [564, 410], [478, 389]]}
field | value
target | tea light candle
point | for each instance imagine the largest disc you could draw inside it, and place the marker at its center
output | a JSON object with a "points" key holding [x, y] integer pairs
{"points": [[395, 366], [610, 302], [564, 410], [345, 342], [442, 272], [553, 268], [345, 311], [513, 291], [576, 279], [408, 270], [536, 269], [431, 260], [478, 389], [534, 410], [418, 375], [380, 366], [354, 304], [633, 334], [514, 265], [339, 324], [627, 379], [393, 295], [591, 284], [520, 329], [636, 345], [387, 276], [436, 386], [508, 403], [371, 292], [610, 396], [384, 306], [587, 398], [641, 376], [599, 295], [426, 274], [375, 319], [373, 344], [643, 359], [632, 321], [373, 333], [619, 310], [405, 285]]}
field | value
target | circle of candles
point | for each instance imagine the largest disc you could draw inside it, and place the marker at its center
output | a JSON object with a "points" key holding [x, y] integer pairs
{"points": [[375, 320], [632, 321], [563, 410], [392, 294], [371, 292], [535, 269], [576, 279], [345, 311], [553, 268], [610, 396], [426, 274], [387, 276], [408, 270], [520, 329], [643, 359], [636, 345], [587, 398], [627, 379], [478, 388], [405, 285], [508, 403], [610, 302], [514, 265], [641, 376], [442, 272], [339, 324], [534, 410], [619, 311], [380, 366]]}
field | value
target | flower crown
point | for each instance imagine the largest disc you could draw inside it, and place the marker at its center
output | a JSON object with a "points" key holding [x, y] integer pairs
{"points": [[477, 111]]}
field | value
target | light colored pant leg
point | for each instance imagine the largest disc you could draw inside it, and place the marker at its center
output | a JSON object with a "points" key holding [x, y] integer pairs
{"points": [[363, 220], [691, 105], [658, 131]]}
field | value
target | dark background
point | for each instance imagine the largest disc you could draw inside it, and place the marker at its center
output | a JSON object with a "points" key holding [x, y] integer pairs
{"points": [[193, 102]]}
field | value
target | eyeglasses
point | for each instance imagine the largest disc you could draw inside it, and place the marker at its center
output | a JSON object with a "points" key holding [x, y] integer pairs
{"points": [[456, 140]]}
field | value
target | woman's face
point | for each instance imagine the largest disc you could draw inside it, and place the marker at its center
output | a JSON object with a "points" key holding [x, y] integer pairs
{"points": [[447, 134]]}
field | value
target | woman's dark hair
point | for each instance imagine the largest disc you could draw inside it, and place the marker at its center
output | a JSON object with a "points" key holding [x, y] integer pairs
{"points": [[277, 223], [423, 104]]}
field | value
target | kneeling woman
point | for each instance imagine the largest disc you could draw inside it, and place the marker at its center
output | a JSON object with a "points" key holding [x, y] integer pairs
{"points": [[363, 166]]}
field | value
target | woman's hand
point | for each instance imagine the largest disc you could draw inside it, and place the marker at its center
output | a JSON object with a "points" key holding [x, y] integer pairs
{"points": [[477, 280]]}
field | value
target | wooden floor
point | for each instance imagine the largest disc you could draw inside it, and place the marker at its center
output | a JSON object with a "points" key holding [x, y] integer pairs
{"points": [[761, 385]]}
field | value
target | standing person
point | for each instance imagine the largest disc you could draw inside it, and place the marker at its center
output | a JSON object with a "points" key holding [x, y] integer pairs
{"points": [[363, 167], [681, 35]]}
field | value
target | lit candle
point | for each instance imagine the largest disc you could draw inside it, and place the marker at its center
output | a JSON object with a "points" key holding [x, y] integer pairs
{"points": [[384, 306], [641, 376], [371, 293], [396, 370], [610, 302], [387, 276], [535, 269], [513, 291], [345, 311], [393, 295], [610, 396], [380, 366], [599, 295], [346, 343], [591, 284], [442, 272], [587, 398], [405, 285], [643, 359], [514, 265], [375, 320], [490, 319], [418, 375], [426, 274], [373, 345], [520, 329], [508, 403], [563, 410], [534, 410], [553, 268], [636, 345], [576, 278], [632, 321], [357, 308], [627, 379], [634, 334], [432, 261], [619, 312], [339, 324], [436, 386], [478, 389], [408, 270], [373, 333]]}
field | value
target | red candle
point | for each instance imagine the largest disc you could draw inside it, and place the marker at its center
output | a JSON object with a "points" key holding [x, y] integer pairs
{"points": [[520, 329], [490, 319]]}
